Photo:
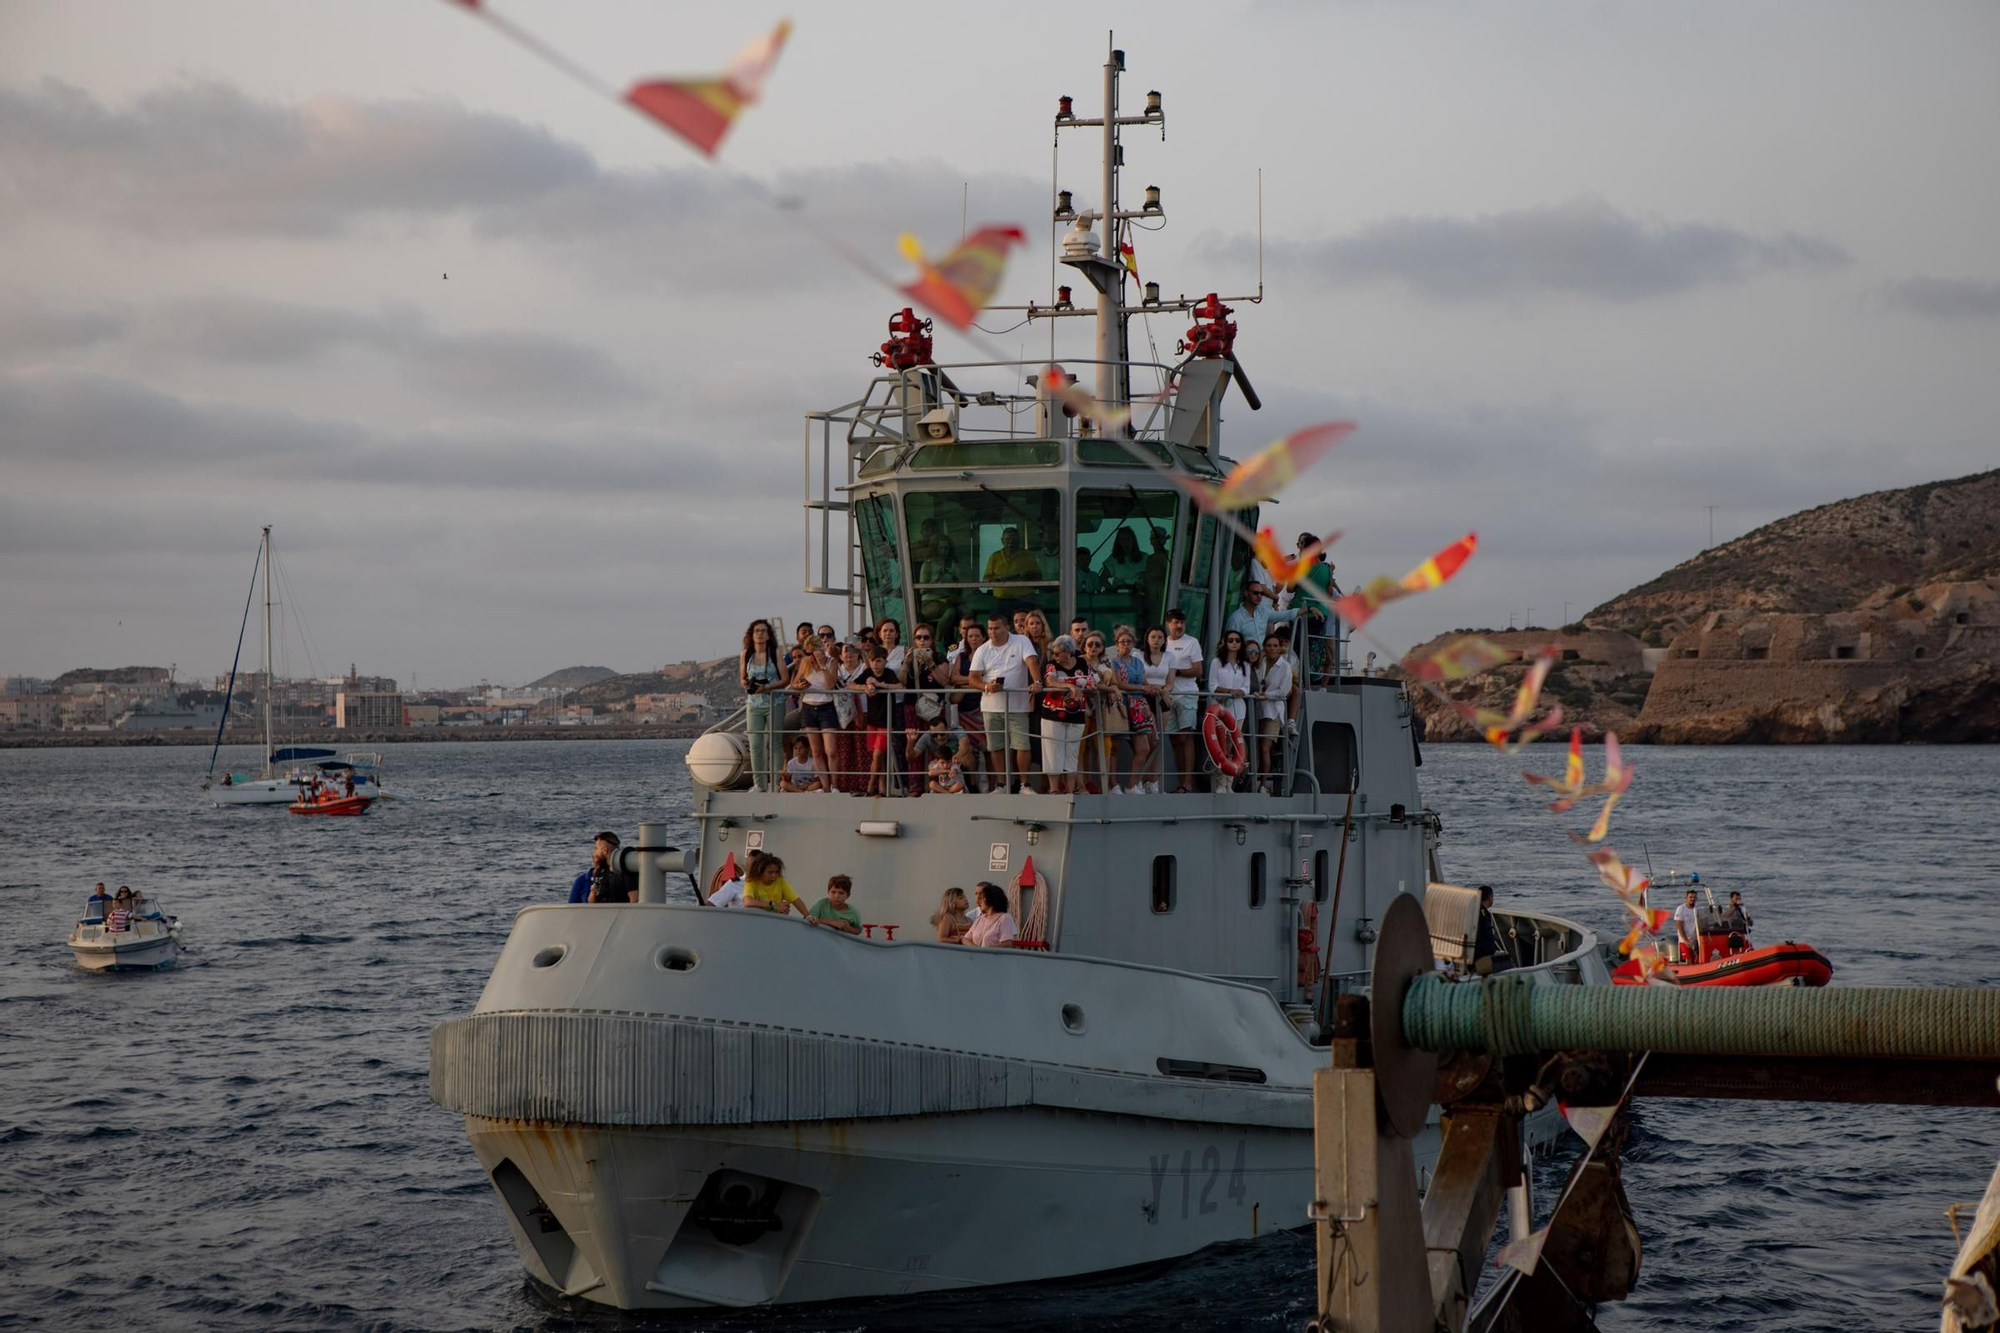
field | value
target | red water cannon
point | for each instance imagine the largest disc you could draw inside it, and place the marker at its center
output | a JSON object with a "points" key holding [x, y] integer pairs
{"points": [[1214, 333], [909, 342]]}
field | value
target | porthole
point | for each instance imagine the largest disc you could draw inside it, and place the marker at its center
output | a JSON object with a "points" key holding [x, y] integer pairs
{"points": [[675, 958], [1072, 1019], [552, 955]]}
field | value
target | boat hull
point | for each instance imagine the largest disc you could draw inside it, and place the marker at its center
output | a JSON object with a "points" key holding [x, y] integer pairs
{"points": [[109, 953], [345, 805], [1785, 964], [639, 1218], [262, 791]]}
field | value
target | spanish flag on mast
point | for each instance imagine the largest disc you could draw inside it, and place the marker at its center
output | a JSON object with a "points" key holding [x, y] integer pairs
{"points": [[1128, 258]]}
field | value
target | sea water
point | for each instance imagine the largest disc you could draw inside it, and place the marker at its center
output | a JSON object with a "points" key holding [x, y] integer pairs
{"points": [[244, 1141]]}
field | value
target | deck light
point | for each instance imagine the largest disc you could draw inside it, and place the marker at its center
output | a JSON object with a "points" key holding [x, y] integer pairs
{"points": [[935, 425], [1152, 293], [1065, 209], [1153, 110], [1152, 198], [1066, 108], [1063, 301]]}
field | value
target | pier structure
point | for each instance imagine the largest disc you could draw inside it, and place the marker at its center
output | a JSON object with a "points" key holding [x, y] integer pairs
{"points": [[1493, 1051]]}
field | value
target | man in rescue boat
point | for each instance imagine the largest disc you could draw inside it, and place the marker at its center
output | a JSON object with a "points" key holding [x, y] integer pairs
{"points": [[1489, 955], [1687, 926]]}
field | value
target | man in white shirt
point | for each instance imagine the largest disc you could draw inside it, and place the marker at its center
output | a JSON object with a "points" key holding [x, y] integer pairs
{"points": [[1003, 668], [730, 894], [1687, 924], [1183, 657]]}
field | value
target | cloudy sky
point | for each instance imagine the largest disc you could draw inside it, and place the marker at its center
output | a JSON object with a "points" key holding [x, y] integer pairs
{"points": [[1578, 271]]}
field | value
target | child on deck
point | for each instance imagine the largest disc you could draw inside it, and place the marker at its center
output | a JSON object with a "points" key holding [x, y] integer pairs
{"points": [[946, 777], [873, 680], [800, 774], [833, 910]]}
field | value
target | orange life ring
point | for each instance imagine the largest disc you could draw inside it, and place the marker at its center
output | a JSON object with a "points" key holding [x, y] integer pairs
{"points": [[1224, 739]]}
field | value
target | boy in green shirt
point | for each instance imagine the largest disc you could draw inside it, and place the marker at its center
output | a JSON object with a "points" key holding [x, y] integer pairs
{"points": [[833, 910]]}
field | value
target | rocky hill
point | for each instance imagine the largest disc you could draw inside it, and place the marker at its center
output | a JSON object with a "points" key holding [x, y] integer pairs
{"points": [[571, 678], [1825, 560], [714, 680]]}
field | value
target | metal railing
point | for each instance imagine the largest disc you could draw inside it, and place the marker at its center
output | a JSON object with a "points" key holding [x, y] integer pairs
{"points": [[1110, 750]]}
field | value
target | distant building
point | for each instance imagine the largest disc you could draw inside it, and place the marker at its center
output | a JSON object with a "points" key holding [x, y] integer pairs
{"points": [[421, 715], [32, 712], [669, 707], [365, 712], [26, 685]]}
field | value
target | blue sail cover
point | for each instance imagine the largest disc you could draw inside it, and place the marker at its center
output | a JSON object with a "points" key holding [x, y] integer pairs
{"points": [[292, 754]]}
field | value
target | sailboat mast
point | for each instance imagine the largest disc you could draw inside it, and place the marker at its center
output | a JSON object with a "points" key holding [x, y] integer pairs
{"points": [[269, 681]]}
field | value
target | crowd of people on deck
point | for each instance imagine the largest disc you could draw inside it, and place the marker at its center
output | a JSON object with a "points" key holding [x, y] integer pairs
{"points": [[1011, 704], [117, 911], [986, 921]]}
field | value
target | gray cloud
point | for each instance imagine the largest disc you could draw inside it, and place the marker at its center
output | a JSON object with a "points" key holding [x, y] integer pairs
{"points": [[62, 420], [1583, 248], [206, 158], [492, 370], [1944, 298], [33, 329]]}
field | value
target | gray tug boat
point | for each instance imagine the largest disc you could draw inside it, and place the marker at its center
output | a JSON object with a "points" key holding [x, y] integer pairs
{"points": [[683, 1106]]}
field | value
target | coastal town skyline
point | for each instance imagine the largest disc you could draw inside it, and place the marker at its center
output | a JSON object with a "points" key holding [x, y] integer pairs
{"points": [[509, 371]]}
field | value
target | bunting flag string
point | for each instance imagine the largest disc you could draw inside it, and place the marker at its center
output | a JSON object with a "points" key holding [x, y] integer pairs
{"points": [[1358, 608], [958, 286], [1262, 475], [1456, 660]]}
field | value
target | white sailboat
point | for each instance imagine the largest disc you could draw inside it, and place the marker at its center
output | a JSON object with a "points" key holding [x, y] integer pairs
{"points": [[269, 787]]}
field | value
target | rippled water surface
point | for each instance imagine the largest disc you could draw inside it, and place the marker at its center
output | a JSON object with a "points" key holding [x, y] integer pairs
{"points": [[244, 1142]]}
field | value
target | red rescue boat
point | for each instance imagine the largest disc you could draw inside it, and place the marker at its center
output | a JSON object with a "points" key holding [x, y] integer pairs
{"points": [[331, 803], [1787, 964]]}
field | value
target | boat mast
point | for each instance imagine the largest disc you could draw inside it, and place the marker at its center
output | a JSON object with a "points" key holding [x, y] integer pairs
{"points": [[1113, 374], [269, 682]]}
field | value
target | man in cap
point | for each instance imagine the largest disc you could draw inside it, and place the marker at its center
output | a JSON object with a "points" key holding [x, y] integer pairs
{"points": [[601, 883]]}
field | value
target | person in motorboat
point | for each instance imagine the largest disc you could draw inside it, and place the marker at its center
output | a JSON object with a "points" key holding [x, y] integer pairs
{"points": [[1736, 921], [1687, 929], [765, 889], [951, 920], [833, 910], [585, 887], [98, 904], [1489, 955], [995, 927], [119, 918]]}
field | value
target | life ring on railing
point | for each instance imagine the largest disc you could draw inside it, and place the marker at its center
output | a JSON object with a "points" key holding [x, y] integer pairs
{"points": [[1223, 736]]}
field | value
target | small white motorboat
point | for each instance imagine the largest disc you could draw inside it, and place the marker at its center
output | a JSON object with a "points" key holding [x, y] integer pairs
{"points": [[113, 939]]}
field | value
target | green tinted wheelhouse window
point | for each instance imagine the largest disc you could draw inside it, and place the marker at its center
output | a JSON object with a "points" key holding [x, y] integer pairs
{"points": [[988, 453], [882, 460], [1124, 554], [1197, 460], [966, 561], [1110, 453], [881, 559], [1194, 577]]}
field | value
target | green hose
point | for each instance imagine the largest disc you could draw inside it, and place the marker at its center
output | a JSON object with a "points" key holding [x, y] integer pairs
{"points": [[1512, 1016]]}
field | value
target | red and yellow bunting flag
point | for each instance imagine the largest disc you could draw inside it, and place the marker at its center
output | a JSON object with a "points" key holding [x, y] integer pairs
{"points": [[701, 110], [1514, 731], [1358, 608], [1456, 660], [1617, 778], [1570, 785], [1287, 570], [1646, 921], [1623, 880], [1262, 475], [957, 287]]}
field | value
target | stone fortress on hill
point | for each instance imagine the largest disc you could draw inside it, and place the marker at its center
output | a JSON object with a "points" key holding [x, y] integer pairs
{"points": [[1871, 620]]}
